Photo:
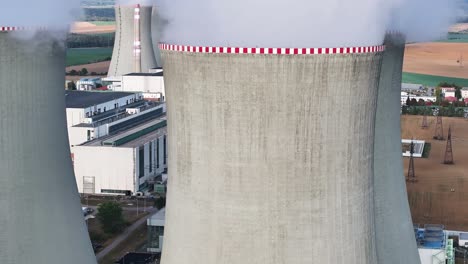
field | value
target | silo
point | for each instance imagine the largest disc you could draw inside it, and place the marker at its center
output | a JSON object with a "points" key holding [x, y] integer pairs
{"points": [[395, 238], [41, 220], [133, 47], [270, 155]]}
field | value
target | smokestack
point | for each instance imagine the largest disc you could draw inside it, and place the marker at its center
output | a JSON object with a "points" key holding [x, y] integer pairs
{"points": [[394, 228], [41, 220], [133, 47], [137, 43], [271, 154]]}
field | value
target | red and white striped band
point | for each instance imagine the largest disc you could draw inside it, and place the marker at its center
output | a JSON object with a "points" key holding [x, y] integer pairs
{"points": [[7, 29], [282, 51]]}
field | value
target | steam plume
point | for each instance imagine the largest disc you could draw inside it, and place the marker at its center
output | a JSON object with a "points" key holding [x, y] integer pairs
{"points": [[43, 13], [302, 23], [134, 2]]}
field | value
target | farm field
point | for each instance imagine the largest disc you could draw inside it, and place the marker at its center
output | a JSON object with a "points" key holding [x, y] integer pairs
{"points": [[437, 58], [431, 80], [103, 23], [95, 27], [82, 56], [441, 194]]}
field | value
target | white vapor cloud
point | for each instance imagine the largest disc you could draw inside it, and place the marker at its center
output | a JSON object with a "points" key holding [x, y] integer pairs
{"points": [[57, 14], [134, 2], [425, 20], [302, 23]]}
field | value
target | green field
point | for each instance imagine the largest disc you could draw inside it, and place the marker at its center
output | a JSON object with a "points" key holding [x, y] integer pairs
{"points": [[455, 38], [102, 23], [431, 80], [87, 55]]}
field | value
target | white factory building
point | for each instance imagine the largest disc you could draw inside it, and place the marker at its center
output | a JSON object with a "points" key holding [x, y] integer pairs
{"points": [[151, 85], [405, 95], [128, 162], [88, 84], [117, 141], [155, 226], [92, 115]]}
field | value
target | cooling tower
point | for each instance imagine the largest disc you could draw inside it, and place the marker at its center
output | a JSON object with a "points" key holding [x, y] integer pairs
{"points": [[41, 221], [396, 243], [156, 29], [270, 155], [133, 47]]}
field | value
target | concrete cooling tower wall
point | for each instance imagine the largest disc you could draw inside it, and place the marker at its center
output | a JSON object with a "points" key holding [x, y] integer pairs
{"points": [[41, 221], [396, 243], [270, 155], [125, 58], [156, 29]]}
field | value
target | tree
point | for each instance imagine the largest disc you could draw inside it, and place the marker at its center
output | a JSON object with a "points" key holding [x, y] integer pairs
{"points": [[438, 94], [84, 72], [458, 93], [73, 73], [160, 203], [71, 85], [110, 216]]}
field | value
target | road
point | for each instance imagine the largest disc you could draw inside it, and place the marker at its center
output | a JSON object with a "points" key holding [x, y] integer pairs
{"points": [[122, 237]]}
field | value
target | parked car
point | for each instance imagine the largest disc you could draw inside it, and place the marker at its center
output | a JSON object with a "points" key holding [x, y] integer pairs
{"points": [[87, 210]]}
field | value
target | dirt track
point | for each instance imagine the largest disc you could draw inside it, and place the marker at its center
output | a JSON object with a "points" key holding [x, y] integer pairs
{"points": [[437, 58], [441, 193]]}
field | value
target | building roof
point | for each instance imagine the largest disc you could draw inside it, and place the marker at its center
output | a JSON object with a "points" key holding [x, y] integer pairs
{"points": [[84, 99], [145, 74], [133, 137], [90, 79], [411, 86]]}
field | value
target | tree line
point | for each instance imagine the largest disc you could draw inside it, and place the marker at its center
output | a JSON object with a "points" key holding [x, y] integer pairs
{"points": [[90, 40]]}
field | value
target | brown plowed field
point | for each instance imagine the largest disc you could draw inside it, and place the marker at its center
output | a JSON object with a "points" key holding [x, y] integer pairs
{"points": [[89, 28], [437, 58], [441, 194], [98, 67]]}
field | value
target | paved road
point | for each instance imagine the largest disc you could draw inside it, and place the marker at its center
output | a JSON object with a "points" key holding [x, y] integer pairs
{"points": [[122, 237]]}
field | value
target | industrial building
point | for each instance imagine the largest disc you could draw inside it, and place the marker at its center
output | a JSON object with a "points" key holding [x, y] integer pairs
{"points": [[133, 47], [264, 168], [88, 84], [434, 246], [410, 87], [404, 96], [156, 231], [41, 220], [150, 84], [92, 115], [126, 162], [418, 147]]}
